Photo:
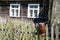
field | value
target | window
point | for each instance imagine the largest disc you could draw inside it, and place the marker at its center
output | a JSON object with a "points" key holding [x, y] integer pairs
{"points": [[33, 10], [14, 10]]}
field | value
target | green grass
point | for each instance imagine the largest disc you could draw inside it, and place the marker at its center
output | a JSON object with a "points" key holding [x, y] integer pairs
{"points": [[18, 31]]}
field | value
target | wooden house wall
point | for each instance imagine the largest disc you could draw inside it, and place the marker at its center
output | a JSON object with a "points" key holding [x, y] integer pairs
{"points": [[4, 12]]}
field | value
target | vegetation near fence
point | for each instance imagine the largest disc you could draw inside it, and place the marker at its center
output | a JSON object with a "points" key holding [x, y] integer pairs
{"points": [[18, 31]]}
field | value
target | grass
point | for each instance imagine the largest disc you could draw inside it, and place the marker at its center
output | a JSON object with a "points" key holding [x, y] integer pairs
{"points": [[18, 31]]}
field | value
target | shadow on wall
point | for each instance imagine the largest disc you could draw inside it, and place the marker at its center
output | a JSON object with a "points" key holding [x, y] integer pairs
{"points": [[43, 17]]}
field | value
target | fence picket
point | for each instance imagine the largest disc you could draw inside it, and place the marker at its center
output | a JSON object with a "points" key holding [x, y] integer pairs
{"points": [[57, 32], [46, 32], [26, 32]]}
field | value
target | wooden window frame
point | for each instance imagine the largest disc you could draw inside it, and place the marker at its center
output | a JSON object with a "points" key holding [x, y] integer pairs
{"points": [[15, 14], [28, 14]]}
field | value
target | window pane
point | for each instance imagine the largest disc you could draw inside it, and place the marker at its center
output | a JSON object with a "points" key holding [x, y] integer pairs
{"points": [[12, 12], [31, 13], [17, 12], [35, 13], [14, 6], [33, 6]]}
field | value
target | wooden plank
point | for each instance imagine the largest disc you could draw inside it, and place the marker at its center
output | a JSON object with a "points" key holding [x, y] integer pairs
{"points": [[52, 32], [15, 0], [21, 0], [56, 32], [46, 32]]}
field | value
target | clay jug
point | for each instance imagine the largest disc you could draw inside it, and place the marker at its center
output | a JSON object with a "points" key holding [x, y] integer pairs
{"points": [[42, 29]]}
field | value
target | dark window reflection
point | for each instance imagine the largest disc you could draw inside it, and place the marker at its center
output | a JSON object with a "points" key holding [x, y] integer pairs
{"points": [[34, 6], [17, 12], [14, 6], [12, 12], [35, 12], [31, 12]]}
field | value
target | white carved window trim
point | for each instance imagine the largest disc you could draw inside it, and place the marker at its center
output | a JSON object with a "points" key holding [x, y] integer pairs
{"points": [[14, 9], [33, 15]]}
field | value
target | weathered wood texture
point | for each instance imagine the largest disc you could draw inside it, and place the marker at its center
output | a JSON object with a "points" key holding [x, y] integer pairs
{"points": [[21, 0], [55, 21], [4, 9]]}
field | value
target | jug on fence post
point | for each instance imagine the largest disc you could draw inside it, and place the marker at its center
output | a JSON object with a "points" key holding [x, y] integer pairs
{"points": [[42, 29]]}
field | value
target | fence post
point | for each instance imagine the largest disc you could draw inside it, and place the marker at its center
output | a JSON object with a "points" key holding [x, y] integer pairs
{"points": [[52, 33], [56, 32], [46, 32]]}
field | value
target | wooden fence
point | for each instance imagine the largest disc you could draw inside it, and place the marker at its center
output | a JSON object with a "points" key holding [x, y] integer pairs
{"points": [[55, 29], [27, 31]]}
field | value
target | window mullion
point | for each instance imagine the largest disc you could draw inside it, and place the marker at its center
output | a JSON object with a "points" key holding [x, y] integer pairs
{"points": [[37, 12], [19, 12], [15, 13], [33, 13], [10, 11], [28, 11]]}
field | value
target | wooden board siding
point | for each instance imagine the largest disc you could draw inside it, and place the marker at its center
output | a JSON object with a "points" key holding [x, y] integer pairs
{"points": [[3, 14], [4, 11], [25, 11], [21, 0], [15, 0]]}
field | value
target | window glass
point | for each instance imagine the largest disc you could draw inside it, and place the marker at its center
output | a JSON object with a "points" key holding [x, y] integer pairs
{"points": [[34, 6], [35, 12], [12, 12], [14, 6], [31, 13], [17, 12]]}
